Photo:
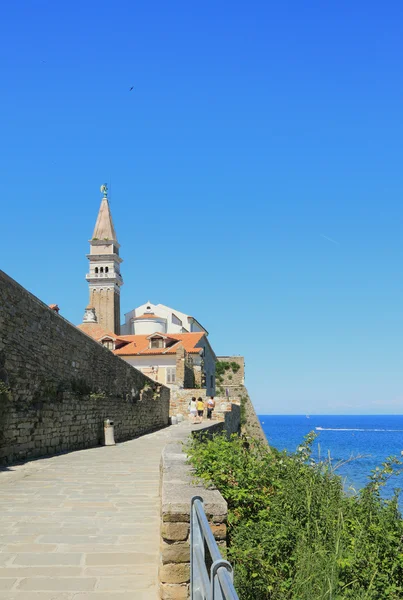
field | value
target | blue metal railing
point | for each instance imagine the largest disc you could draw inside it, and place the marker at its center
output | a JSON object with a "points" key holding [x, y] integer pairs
{"points": [[211, 577]]}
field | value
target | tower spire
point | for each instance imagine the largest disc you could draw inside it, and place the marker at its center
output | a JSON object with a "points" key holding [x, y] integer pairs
{"points": [[104, 278], [104, 229]]}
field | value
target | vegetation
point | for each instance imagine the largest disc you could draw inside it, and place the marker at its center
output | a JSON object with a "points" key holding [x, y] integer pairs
{"points": [[98, 395], [221, 368], [5, 392], [243, 417], [293, 533]]}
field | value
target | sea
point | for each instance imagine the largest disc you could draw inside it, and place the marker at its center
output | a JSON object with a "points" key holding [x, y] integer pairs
{"points": [[367, 440]]}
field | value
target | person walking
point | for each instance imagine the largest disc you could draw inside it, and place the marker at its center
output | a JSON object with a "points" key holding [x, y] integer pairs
{"points": [[200, 408], [210, 407], [193, 410]]}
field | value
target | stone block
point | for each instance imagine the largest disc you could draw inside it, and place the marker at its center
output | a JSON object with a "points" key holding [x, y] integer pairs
{"points": [[174, 592], [175, 553], [219, 531], [175, 573], [171, 517], [175, 531]]}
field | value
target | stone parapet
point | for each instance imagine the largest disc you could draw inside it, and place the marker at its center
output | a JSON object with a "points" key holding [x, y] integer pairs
{"points": [[177, 490]]}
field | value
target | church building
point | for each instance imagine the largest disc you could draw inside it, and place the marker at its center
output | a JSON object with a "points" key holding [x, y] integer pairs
{"points": [[166, 344]]}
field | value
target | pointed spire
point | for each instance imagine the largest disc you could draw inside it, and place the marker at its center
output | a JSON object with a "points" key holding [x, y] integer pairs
{"points": [[104, 229]]}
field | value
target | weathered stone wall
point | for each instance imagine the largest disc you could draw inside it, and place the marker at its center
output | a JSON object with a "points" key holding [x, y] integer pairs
{"points": [[232, 384], [232, 376], [251, 424], [57, 385], [185, 377], [180, 399], [238, 398], [177, 490]]}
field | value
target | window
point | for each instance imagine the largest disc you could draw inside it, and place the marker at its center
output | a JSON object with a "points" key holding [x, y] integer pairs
{"points": [[106, 269], [176, 320], [101, 270], [157, 343], [108, 344], [96, 269], [170, 374]]}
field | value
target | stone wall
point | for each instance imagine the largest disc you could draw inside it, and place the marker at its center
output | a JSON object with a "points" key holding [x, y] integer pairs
{"points": [[57, 385], [180, 399], [185, 377], [232, 376], [238, 397], [232, 384], [177, 489]]}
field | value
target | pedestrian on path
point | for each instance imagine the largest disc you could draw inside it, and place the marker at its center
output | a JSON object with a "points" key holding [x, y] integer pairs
{"points": [[210, 407], [200, 408], [193, 410]]}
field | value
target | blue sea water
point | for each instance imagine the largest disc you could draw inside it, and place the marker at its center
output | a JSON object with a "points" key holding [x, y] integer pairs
{"points": [[374, 436]]}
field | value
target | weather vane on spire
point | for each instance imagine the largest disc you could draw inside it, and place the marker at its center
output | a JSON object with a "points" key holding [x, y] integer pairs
{"points": [[104, 189]]}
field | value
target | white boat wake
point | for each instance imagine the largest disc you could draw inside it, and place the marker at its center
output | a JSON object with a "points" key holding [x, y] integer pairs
{"points": [[351, 429]]}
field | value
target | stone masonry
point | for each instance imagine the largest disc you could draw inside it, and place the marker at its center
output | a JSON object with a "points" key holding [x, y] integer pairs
{"points": [[177, 489], [231, 377], [185, 376], [233, 385], [57, 385]]}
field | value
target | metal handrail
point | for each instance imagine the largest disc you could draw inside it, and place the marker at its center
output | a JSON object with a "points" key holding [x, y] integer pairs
{"points": [[218, 584]]}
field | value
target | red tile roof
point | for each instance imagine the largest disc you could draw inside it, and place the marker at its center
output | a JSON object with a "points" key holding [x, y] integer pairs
{"points": [[96, 331], [139, 344]]}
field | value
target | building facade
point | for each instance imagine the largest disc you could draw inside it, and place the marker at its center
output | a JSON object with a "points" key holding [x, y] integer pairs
{"points": [[179, 360], [168, 345], [149, 318]]}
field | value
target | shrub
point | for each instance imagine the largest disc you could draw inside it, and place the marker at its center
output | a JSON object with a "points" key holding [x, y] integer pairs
{"points": [[293, 533]]}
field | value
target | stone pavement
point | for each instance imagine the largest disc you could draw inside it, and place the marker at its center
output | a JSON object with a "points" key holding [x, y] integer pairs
{"points": [[84, 525]]}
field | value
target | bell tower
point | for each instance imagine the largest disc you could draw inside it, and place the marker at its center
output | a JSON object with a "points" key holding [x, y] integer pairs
{"points": [[104, 278]]}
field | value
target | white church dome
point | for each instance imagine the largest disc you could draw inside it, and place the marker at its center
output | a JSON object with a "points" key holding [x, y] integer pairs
{"points": [[148, 323]]}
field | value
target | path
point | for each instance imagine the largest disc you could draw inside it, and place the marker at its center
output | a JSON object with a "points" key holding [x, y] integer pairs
{"points": [[84, 525]]}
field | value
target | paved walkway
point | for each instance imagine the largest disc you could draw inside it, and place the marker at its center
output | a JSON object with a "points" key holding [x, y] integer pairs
{"points": [[84, 525]]}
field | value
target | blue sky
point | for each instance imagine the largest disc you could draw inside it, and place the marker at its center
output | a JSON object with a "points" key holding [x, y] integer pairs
{"points": [[255, 174]]}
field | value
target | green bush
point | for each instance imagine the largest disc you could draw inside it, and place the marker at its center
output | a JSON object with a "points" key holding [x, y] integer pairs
{"points": [[293, 533]]}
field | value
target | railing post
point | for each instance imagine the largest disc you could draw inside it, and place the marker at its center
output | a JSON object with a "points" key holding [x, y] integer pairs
{"points": [[196, 541], [216, 593], [219, 585]]}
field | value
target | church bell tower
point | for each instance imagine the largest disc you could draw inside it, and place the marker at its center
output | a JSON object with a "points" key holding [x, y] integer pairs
{"points": [[104, 278]]}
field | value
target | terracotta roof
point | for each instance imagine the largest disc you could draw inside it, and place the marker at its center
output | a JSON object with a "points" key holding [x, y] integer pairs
{"points": [[96, 331], [138, 344], [149, 316]]}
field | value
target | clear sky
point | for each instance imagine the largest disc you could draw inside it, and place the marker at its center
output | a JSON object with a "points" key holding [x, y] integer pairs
{"points": [[255, 172]]}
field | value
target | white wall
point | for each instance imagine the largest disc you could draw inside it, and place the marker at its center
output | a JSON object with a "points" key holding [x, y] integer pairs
{"points": [[149, 326], [161, 311], [151, 360]]}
